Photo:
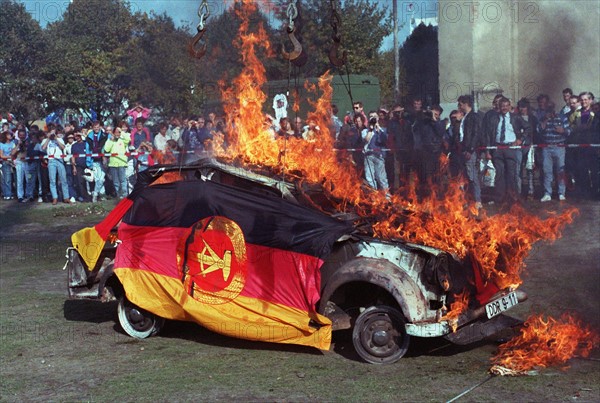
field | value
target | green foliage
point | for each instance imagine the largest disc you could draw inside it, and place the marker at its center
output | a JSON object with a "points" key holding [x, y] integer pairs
{"points": [[100, 54], [362, 30], [21, 51]]}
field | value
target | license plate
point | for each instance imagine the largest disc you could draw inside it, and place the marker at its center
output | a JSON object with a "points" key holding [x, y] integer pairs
{"points": [[501, 304]]}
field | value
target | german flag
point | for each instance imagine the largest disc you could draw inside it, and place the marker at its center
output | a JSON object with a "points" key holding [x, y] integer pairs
{"points": [[241, 264]]}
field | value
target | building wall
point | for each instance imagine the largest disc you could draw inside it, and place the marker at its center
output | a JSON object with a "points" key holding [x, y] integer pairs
{"points": [[520, 48]]}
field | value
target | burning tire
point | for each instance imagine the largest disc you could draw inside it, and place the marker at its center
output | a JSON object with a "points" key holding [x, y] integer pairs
{"points": [[379, 335], [136, 321]]}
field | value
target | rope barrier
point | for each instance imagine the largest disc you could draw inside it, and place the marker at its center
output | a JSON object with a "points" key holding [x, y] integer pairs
{"points": [[138, 153]]}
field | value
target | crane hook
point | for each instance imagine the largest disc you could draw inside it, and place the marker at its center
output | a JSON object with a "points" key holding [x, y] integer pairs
{"points": [[203, 13]]}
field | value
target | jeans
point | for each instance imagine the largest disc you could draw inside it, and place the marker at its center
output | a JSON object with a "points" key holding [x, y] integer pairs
{"points": [[554, 158], [7, 177], [375, 172], [120, 180], [70, 180], [20, 179], [57, 168], [31, 177], [99, 174], [472, 171]]}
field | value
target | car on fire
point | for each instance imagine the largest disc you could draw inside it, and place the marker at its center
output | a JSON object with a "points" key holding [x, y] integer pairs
{"points": [[239, 250]]}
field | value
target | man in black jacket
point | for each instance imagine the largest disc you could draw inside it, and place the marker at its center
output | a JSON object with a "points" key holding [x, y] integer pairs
{"points": [[468, 142], [506, 129]]}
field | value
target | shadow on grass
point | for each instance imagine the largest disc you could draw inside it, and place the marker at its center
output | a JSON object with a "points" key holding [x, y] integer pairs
{"points": [[89, 311]]}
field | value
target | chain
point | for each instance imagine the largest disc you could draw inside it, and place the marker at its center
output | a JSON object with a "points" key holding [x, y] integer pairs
{"points": [[292, 13], [203, 13]]}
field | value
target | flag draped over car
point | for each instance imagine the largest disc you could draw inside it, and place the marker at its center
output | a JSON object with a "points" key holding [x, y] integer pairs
{"points": [[239, 263]]}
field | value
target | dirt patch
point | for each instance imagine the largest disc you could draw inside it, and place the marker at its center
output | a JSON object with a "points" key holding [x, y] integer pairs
{"points": [[56, 349]]}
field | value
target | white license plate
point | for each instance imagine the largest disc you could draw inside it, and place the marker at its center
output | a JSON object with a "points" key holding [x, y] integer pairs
{"points": [[497, 306]]}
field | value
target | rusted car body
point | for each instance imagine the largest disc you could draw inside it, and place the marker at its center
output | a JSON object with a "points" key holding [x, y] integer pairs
{"points": [[384, 290]]}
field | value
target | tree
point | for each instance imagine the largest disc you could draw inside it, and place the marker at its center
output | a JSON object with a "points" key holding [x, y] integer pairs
{"points": [[363, 27], [21, 50], [419, 57]]}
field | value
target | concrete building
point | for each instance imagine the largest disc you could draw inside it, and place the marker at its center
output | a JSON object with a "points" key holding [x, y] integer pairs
{"points": [[519, 48]]}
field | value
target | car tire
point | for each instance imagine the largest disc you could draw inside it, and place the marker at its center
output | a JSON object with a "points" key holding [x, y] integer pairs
{"points": [[379, 335], [136, 321]]}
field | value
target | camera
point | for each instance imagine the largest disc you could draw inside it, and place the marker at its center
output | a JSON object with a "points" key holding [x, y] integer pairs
{"points": [[373, 121], [52, 136]]}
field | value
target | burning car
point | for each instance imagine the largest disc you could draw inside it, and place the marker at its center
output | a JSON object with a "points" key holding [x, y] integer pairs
{"points": [[253, 255]]}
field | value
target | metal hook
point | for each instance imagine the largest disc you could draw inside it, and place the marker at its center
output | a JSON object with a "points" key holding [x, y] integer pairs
{"points": [[333, 54], [197, 54], [203, 13], [294, 54]]}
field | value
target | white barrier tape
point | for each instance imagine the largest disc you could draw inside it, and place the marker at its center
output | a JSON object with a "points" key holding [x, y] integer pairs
{"points": [[138, 153]]}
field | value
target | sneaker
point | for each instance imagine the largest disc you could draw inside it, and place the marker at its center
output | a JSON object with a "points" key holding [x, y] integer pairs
{"points": [[54, 202], [72, 200], [23, 200], [562, 197], [546, 198], [40, 200]]}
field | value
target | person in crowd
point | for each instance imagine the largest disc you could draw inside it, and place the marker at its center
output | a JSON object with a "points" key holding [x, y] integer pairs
{"points": [[160, 139], [33, 166], [19, 155], [336, 123], [349, 141], [68, 160], [145, 159], [399, 128], [311, 131], [6, 151], [95, 142], [140, 133], [554, 130], [285, 128], [470, 137], [506, 129], [456, 161], [174, 131], [78, 163], [542, 109], [585, 130], [527, 157], [490, 114], [567, 93], [358, 109], [54, 147], [298, 126], [375, 139], [139, 112], [117, 164], [430, 132]]}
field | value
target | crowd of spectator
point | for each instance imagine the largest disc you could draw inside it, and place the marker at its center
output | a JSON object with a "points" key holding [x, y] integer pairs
{"points": [[390, 148]]}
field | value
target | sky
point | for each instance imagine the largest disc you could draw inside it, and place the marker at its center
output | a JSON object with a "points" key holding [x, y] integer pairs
{"points": [[185, 12]]}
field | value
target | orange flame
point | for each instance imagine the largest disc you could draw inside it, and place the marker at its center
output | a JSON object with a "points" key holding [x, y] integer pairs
{"points": [[444, 219], [546, 342], [458, 306]]}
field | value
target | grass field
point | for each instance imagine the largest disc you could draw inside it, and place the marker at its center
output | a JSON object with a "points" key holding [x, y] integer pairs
{"points": [[54, 349]]}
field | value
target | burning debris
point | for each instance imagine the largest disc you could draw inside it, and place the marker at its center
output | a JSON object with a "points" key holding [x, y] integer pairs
{"points": [[543, 343]]}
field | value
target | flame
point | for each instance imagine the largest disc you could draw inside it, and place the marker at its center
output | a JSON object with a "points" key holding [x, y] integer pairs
{"points": [[444, 219], [458, 306], [543, 343]]}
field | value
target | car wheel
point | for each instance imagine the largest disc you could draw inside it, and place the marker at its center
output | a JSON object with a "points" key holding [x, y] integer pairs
{"points": [[379, 335], [136, 321]]}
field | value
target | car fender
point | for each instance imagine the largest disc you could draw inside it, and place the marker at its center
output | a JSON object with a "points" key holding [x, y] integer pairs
{"points": [[384, 274]]}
